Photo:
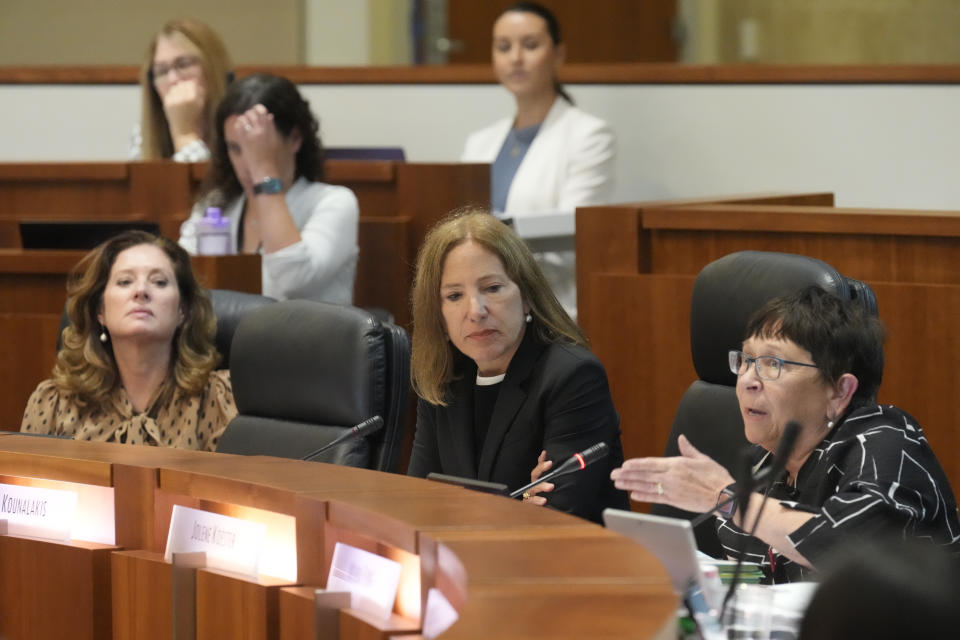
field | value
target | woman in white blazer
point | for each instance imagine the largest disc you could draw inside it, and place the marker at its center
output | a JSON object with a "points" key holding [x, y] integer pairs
{"points": [[550, 156]]}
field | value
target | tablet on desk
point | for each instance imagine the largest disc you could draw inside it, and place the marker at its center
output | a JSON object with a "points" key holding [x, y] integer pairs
{"points": [[76, 234], [495, 488], [669, 539]]}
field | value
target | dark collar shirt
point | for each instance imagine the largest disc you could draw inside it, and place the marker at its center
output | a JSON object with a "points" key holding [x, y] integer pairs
{"points": [[554, 397], [874, 475]]}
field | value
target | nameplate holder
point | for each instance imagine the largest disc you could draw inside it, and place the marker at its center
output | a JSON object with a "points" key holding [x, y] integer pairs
{"points": [[438, 615], [30, 512], [328, 605], [183, 596], [230, 544], [371, 580]]}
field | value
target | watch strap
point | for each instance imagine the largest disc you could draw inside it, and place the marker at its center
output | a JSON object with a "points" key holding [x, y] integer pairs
{"points": [[268, 185]]}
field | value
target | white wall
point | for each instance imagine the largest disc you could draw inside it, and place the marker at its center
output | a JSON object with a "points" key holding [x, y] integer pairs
{"points": [[336, 33], [874, 146]]}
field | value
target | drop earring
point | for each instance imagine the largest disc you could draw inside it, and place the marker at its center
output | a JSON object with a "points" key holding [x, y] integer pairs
{"points": [[529, 318], [103, 334]]}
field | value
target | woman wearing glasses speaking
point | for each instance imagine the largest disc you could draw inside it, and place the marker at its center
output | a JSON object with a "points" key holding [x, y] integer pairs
{"points": [[857, 469], [184, 77]]}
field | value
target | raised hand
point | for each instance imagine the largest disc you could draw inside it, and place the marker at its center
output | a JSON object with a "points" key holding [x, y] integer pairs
{"points": [[183, 105]]}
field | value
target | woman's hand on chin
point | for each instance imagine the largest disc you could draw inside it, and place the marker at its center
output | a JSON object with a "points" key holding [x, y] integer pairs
{"points": [[691, 481], [183, 106]]}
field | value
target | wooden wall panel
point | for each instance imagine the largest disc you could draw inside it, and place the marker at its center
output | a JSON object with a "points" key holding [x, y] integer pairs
{"points": [[142, 596], [641, 333], [51, 590]]}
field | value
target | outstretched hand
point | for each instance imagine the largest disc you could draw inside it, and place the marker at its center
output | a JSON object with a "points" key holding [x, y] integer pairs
{"points": [[691, 481]]}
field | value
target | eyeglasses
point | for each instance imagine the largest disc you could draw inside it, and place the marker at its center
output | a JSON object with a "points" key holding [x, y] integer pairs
{"points": [[182, 65], [767, 367]]}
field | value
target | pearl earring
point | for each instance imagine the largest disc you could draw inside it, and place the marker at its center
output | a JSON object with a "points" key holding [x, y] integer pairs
{"points": [[529, 318], [829, 424], [103, 335]]}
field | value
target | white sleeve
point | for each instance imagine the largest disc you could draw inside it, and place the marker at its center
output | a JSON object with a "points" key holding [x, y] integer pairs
{"points": [[136, 143], [196, 151], [328, 244], [589, 178]]}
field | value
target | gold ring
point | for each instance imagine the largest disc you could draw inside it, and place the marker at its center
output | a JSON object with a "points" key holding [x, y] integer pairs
{"points": [[659, 489], [526, 494]]}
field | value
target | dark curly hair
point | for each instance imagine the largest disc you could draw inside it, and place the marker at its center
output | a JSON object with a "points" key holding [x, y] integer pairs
{"points": [[290, 111]]}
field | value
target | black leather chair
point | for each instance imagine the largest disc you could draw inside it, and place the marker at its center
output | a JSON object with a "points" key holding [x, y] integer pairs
{"points": [[304, 372], [228, 306], [726, 292]]}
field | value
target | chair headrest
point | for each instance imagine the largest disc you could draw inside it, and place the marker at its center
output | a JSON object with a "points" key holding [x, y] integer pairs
{"points": [[727, 292], [229, 307], [310, 362]]}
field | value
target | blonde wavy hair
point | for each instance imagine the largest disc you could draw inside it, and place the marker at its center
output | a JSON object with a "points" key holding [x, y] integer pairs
{"points": [[431, 360], [157, 143], [86, 368]]}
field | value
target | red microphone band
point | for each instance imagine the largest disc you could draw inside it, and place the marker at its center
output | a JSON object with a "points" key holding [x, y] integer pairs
{"points": [[580, 458]]}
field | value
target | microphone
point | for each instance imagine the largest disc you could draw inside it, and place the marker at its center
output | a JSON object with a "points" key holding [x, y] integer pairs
{"points": [[576, 462], [791, 431], [745, 482], [365, 428], [787, 442]]}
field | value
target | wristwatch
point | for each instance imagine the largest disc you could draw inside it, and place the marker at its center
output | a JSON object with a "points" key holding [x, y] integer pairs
{"points": [[726, 503], [268, 185]]}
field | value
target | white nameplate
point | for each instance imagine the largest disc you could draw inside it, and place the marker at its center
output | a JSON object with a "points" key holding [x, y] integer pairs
{"points": [[37, 513], [231, 544], [439, 614], [371, 580]]}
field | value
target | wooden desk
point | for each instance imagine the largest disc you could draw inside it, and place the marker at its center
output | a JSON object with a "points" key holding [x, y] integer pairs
{"points": [[495, 559], [32, 296], [636, 266], [398, 203]]}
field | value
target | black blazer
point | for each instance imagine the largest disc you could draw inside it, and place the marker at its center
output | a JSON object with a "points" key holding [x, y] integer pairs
{"points": [[554, 397]]}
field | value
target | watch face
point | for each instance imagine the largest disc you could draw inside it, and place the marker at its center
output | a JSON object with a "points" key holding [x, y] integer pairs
{"points": [[268, 185], [726, 510]]}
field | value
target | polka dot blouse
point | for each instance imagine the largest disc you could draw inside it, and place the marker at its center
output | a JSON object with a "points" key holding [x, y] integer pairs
{"points": [[185, 422]]}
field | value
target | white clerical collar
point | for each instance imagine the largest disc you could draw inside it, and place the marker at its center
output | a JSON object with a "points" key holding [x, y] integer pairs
{"points": [[486, 381]]}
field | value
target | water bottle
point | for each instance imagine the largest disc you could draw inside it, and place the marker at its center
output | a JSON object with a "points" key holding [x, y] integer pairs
{"points": [[213, 234]]}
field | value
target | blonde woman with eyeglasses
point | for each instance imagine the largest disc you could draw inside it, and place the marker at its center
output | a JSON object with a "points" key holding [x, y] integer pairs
{"points": [[184, 76]]}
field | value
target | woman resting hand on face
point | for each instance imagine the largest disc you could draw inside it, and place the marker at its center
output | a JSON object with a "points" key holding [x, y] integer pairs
{"points": [[857, 469], [264, 175], [184, 76], [137, 362], [502, 372]]}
